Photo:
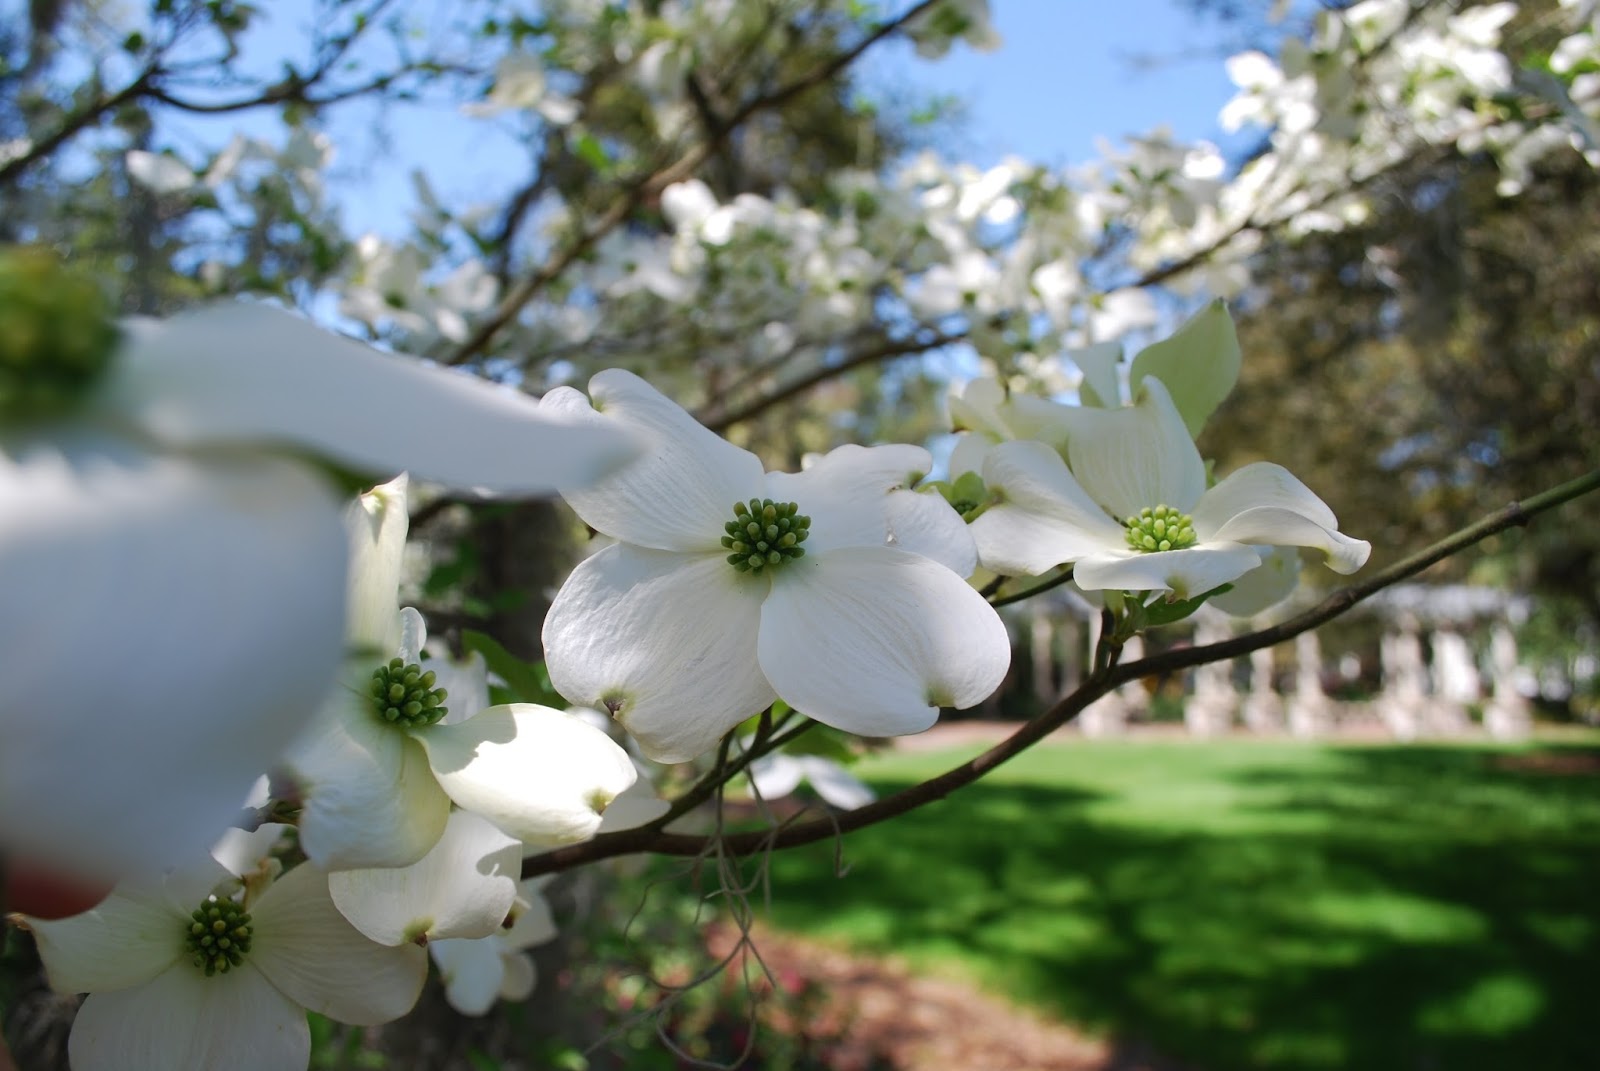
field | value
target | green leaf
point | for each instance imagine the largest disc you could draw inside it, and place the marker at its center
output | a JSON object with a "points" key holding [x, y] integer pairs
{"points": [[528, 682], [1167, 613], [591, 152], [1198, 365], [827, 742]]}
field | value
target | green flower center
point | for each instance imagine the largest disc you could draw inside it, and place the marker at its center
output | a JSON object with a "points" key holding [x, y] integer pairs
{"points": [[57, 334], [1161, 528], [218, 936], [404, 695], [764, 534]]}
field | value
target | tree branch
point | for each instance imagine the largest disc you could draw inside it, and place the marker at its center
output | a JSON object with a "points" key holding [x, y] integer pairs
{"points": [[719, 422], [1103, 680], [637, 192], [75, 123]]}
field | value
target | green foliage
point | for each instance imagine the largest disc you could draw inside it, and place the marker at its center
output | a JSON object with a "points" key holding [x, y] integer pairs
{"points": [[526, 682], [1199, 364], [1433, 364], [1241, 906]]}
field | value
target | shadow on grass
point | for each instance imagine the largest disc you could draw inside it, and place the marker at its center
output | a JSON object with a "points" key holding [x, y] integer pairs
{"points": [[1377, 908]]}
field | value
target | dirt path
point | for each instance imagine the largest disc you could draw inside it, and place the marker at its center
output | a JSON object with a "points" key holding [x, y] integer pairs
{"points": [[884, 1012]]}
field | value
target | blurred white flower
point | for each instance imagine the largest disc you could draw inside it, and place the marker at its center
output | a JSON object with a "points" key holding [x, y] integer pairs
{"points": [[777, 775], [175, 566]]}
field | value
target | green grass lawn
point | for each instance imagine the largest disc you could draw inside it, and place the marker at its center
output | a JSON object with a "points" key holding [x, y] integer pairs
{"points": [[1248, 904]]}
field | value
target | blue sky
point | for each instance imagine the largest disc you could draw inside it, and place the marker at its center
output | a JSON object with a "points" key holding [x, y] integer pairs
{"points": [[1069, 71]]}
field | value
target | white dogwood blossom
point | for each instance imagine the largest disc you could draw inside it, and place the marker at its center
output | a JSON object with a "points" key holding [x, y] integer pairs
{"points": [[728, 587], [178, 482], [477, 972], [186, 974], [463, 887], [387, 755], [1134, 513]]}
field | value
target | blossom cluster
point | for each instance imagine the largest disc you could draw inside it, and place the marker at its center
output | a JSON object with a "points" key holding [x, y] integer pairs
{"points": [[195, 472], [1006, 257], [212, 510]]}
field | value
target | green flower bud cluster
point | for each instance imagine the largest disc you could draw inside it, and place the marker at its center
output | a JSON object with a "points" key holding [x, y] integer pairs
{"points": [[218, 936], [404, 695], [1161, 528], [57, 334], [764, 534], [967, 495]]}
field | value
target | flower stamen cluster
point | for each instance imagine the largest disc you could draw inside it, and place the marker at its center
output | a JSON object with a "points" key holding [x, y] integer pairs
{"points": [[218, 936], [764, 534], [404, 695], [1159, 528]]}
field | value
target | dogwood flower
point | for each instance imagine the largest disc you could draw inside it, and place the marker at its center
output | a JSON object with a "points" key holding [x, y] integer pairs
{"points": [[186, 975], [775, 776], [381, 764], [729, 587], [476, 972], [1134, 514], [171, 552], [463, 888]]}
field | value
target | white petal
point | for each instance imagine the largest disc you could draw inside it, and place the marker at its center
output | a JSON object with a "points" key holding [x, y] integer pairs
{"points": [[465, 681], [413, 635], [308, 950], [241, 851], [1186, 573], [473, 972], [968, 454], [132, 936], [534, 924], [776, 776], [464, 887], [1287, 528], [1266, 585], [250, 374], [873, 640], [160, 173], [1266, 503], [835, 784], [167, 626], [1258, 484], [521, 977], [681, 492], [1139, 456], [541, 775], [924, 523], [637, 805], [184, 1021], [666, 641], [846, 492], [1044, 519], [369, 797], [1041, 419], [377, 522]]}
